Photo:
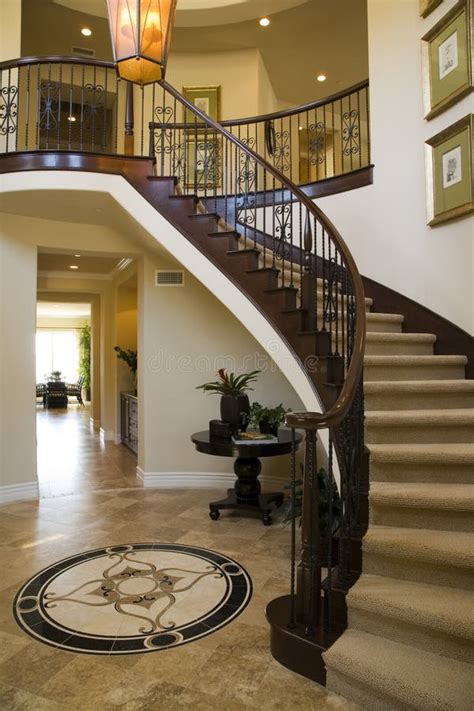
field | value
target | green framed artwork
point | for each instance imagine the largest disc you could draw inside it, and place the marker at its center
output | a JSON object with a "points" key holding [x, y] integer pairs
{"points": [[450, 172], [205, 98], [447, 70], [427, 6]]}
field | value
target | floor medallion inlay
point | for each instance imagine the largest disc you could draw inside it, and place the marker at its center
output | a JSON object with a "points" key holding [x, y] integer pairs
{"points": [[132, 598]]}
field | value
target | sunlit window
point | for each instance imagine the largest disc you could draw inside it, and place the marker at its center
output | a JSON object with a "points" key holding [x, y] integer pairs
{"points": [[57, 350]]}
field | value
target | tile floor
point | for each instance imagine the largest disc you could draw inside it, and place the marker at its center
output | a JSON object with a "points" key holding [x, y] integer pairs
{"points": [[231, 669]]}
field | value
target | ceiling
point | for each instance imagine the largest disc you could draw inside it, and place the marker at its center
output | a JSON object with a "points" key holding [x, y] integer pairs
{"points": [[200, 13], [87, 264], [50, 309], [305, 38]]}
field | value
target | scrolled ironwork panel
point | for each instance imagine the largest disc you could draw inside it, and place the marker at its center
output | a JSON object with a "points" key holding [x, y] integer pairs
{"points": [[8, 110]]}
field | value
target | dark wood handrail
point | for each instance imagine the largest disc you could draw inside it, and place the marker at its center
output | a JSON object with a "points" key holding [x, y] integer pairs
{"points": [[54, 59], [58, 59], [298, 109], [335, 415]]}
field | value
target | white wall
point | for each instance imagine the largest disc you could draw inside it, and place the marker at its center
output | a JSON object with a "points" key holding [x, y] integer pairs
{"points": [[241, 74], [185, 335], [17, 368], [385, 224]]}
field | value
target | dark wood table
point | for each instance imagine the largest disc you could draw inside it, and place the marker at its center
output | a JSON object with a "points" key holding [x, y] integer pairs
{"points": [[247, 493]]}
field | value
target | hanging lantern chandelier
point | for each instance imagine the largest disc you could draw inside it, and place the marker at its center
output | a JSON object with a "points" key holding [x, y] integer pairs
{"points": [[141, 34]]}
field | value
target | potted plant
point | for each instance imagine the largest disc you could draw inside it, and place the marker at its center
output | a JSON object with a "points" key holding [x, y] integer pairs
{"points": [[232, 389], [55, 376], [266, 419], [85, 359], [326, 494], [130, 358]]}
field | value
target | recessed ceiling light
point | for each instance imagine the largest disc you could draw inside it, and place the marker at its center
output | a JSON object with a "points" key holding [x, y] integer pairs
{"points": [[71, 118], [86, 31], [321, 77], [77, 255], [264, 22], [300, 128], [73, 266]]}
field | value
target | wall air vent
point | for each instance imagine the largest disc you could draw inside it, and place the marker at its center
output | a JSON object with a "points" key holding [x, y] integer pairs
{"points": [[83, 52], [164, 277]]}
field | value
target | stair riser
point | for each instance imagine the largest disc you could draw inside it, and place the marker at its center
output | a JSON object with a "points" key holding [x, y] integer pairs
{"points": [[383, 326], [436, 472], [404, 632], [418, 570], [412, 517], [419, 434], [413, 372], [418, 401], [368, 699], [394, 348]]}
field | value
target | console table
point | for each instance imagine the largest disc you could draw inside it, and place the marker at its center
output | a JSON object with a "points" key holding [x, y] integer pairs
{"points": [[246, 493]]}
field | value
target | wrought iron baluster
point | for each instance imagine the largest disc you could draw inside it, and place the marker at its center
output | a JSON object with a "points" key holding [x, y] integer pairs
{"points": [[27, 106], [58, 138], [292, 620]]}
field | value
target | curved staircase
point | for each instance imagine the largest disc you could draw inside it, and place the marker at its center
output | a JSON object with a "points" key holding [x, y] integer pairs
{"points": [[407, 640]]}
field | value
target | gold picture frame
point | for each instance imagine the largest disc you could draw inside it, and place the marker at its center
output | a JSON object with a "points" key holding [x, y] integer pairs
{"points": [[447, 69], [206, 98], [450, 172], [427, 6]]}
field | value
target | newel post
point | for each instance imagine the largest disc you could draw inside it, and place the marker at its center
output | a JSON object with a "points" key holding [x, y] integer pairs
{"points": [[309, 570], [129, 148]]}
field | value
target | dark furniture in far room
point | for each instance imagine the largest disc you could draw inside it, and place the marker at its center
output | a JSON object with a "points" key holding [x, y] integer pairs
{"points": [[55, 395], [129, 421], [75, 390], [246, 493]]}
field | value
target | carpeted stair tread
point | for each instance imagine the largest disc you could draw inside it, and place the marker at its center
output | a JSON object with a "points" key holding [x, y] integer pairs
{"points": [[418, 386], [408, 418], [423, 453], [401, 337], [453, 549], [445, 609], [407, 677], [453, 497], [414, 360]]}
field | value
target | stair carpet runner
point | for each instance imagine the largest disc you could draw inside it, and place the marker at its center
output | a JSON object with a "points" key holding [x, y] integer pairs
{"points": [[409, 641]]}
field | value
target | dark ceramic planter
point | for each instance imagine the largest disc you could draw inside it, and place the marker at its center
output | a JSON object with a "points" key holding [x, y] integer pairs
{"points": [[266, 428], [232, 408]]}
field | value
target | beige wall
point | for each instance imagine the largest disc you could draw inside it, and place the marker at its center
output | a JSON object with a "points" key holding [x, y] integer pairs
{"points": [[69, 322], [10, 29], [126, 329], [185, 335], [17, 364], [385, 224]]}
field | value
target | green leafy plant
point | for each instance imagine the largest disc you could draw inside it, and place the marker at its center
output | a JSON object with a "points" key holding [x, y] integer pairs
{"points": [[85, 355], [128, 356], [259, 415], [55, 375], [326, 494], [230, 383]]}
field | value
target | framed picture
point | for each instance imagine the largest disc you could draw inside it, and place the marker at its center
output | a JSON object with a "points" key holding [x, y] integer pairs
{"points": [[447, 68], [204, 98], [450, 172], [203, 162], [427, 6]]}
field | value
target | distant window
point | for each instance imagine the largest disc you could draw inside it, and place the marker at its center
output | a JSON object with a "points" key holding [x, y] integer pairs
{"points": [[57, 350]]}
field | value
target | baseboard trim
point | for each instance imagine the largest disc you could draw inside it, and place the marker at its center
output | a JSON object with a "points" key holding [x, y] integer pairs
{"points": [[95, 424], [107, 435], [198, 480], [19, 492]]}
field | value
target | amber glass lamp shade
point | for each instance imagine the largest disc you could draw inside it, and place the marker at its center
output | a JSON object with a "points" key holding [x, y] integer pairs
{"points": [[141, 33]]}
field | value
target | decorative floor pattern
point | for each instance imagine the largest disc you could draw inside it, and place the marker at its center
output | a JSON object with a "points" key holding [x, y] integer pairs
{"points": [[132, 598]]}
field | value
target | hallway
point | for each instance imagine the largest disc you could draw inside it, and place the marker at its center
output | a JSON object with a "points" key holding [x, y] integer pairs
{"points": [[73, 460]]}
